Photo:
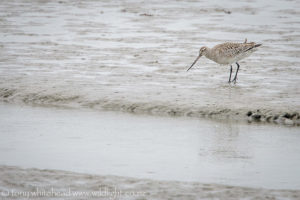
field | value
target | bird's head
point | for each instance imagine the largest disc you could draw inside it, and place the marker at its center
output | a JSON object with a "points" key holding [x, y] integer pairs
{"points": [[202, 52]]}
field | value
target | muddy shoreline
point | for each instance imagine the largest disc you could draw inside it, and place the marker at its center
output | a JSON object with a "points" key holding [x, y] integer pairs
{"points": [[288, 118], [68, 182], [132, 56]]}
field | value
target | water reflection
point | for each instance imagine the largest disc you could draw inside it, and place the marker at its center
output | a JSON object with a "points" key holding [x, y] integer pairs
{"points": [[227, 144]]}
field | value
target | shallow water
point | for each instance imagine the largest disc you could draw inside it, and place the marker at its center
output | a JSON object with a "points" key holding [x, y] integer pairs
{"points": [[141, 146]]}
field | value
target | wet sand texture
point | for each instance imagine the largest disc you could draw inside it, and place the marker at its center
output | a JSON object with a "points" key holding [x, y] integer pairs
{"points": [[133, 55], [30, 179]]}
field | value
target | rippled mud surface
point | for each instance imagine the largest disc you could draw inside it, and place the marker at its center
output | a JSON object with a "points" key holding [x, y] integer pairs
{"points": [[133, 56], [68, 185]]}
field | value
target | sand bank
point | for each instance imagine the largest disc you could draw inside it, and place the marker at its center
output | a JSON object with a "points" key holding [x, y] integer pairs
{"points": [[19, 183]]}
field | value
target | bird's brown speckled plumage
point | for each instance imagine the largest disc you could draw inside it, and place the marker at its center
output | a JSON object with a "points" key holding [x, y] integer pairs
{"points": [[228, 53]]}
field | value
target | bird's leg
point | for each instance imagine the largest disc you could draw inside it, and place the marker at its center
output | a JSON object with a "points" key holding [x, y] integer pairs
{"points": [[230, 74], [237, 70]]}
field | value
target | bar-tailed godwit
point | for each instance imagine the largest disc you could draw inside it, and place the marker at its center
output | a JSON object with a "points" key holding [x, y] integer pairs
{"points": [[227, 54]]}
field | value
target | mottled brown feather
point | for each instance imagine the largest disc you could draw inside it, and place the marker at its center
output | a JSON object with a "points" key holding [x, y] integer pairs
{"points": [[229, 52], [232, 49]]}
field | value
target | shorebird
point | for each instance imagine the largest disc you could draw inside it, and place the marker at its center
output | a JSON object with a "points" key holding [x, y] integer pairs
{"points": [[227, 54]]}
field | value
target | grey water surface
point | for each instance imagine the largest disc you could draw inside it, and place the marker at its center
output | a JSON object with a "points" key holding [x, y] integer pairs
{"points": [[164, 148]]}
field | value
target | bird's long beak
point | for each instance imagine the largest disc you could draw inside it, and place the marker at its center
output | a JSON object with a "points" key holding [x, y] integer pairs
{"points": [[194, 62]]}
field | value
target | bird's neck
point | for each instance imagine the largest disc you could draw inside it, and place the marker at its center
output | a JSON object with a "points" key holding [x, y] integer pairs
{"points": [[208, 54]]}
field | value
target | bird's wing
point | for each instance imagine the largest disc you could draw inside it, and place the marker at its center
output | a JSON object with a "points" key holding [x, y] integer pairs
{"points": [[233, 49]]}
